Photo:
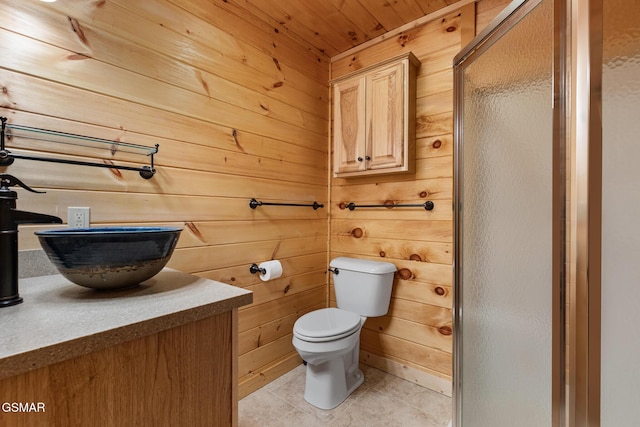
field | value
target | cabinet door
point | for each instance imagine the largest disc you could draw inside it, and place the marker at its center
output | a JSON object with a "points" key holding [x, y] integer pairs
{"points": [[385, 108], [349, 126]]}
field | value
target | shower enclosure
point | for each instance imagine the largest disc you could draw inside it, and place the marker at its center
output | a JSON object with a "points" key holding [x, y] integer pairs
{"points": [[547, 195]]}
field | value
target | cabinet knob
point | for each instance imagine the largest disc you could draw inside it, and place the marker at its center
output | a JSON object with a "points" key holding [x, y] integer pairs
{"points": [[367, 157], [359, 159]]}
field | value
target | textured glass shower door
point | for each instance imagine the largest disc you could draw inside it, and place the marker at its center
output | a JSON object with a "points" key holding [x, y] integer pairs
{"points": [[620, 388], [504, 245]]}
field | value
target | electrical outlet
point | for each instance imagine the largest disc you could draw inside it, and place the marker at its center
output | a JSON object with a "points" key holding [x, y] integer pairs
{"points": [[78, 217]]}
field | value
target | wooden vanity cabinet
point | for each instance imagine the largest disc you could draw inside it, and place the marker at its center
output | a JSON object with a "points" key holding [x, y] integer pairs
{"points": [[162, 354], [184, 376], [374, 114]]}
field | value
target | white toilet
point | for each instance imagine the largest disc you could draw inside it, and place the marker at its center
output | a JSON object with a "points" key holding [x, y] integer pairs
{"points": [[329, 339]]}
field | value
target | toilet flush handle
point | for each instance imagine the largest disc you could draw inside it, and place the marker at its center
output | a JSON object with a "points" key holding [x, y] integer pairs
{"points": [[334, 270]]}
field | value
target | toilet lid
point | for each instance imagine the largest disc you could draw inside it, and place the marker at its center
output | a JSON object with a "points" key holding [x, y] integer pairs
{"points": [[326, 323]]}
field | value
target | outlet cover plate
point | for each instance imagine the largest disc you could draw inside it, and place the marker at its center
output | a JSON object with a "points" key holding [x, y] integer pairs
{"points": [[78, 217]]}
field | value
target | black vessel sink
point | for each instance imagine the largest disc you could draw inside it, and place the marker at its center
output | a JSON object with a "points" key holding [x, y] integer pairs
{"points": [[109, 257]]}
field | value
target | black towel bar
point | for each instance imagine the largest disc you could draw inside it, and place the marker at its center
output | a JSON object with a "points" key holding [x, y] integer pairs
{"points": [[253, 203], [51, 136], [428, 205]]}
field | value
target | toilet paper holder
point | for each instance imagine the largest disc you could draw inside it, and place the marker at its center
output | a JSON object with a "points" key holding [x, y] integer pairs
{"points": [[254, 268]]}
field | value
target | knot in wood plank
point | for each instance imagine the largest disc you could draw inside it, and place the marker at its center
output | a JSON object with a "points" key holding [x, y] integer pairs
{"points": [[445, 330], [405, 273], [357, 232]]}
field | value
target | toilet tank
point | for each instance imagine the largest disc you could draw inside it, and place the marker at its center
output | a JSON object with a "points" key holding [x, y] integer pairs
{"points": [[363, 286]]}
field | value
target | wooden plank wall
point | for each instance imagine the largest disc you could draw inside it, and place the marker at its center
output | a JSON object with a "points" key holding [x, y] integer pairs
{"points": [[414, 340], [239, 111], [486, 10]]}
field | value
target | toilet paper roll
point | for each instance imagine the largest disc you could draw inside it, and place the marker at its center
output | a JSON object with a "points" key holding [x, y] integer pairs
{"points": [[273, 270]]}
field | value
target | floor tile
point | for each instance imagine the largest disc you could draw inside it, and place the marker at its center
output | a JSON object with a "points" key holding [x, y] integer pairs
{"points": [[383, 400]]}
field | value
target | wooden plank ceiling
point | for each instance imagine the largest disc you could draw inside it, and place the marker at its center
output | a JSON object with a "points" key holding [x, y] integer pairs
{"points": [[334, 26]]}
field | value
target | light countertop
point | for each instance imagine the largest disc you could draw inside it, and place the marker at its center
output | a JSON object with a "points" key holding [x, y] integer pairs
{"points": [[59, 320]]}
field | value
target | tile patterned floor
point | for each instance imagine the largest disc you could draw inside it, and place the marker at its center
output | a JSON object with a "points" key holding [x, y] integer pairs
{"points": [[383, 400]]}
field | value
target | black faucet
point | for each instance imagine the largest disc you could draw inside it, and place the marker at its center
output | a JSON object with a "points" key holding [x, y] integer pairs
{"points": [[10, 217]]}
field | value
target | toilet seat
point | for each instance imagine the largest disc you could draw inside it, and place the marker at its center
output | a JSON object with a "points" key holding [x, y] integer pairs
{"points": [[326, 324]]}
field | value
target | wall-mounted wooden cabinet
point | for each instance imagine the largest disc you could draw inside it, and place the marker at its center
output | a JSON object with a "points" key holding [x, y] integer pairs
{"points": [[374, 112]]}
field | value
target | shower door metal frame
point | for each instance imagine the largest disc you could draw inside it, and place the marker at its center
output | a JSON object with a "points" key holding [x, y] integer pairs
{"points": [[586, 139], [506, 20]]}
